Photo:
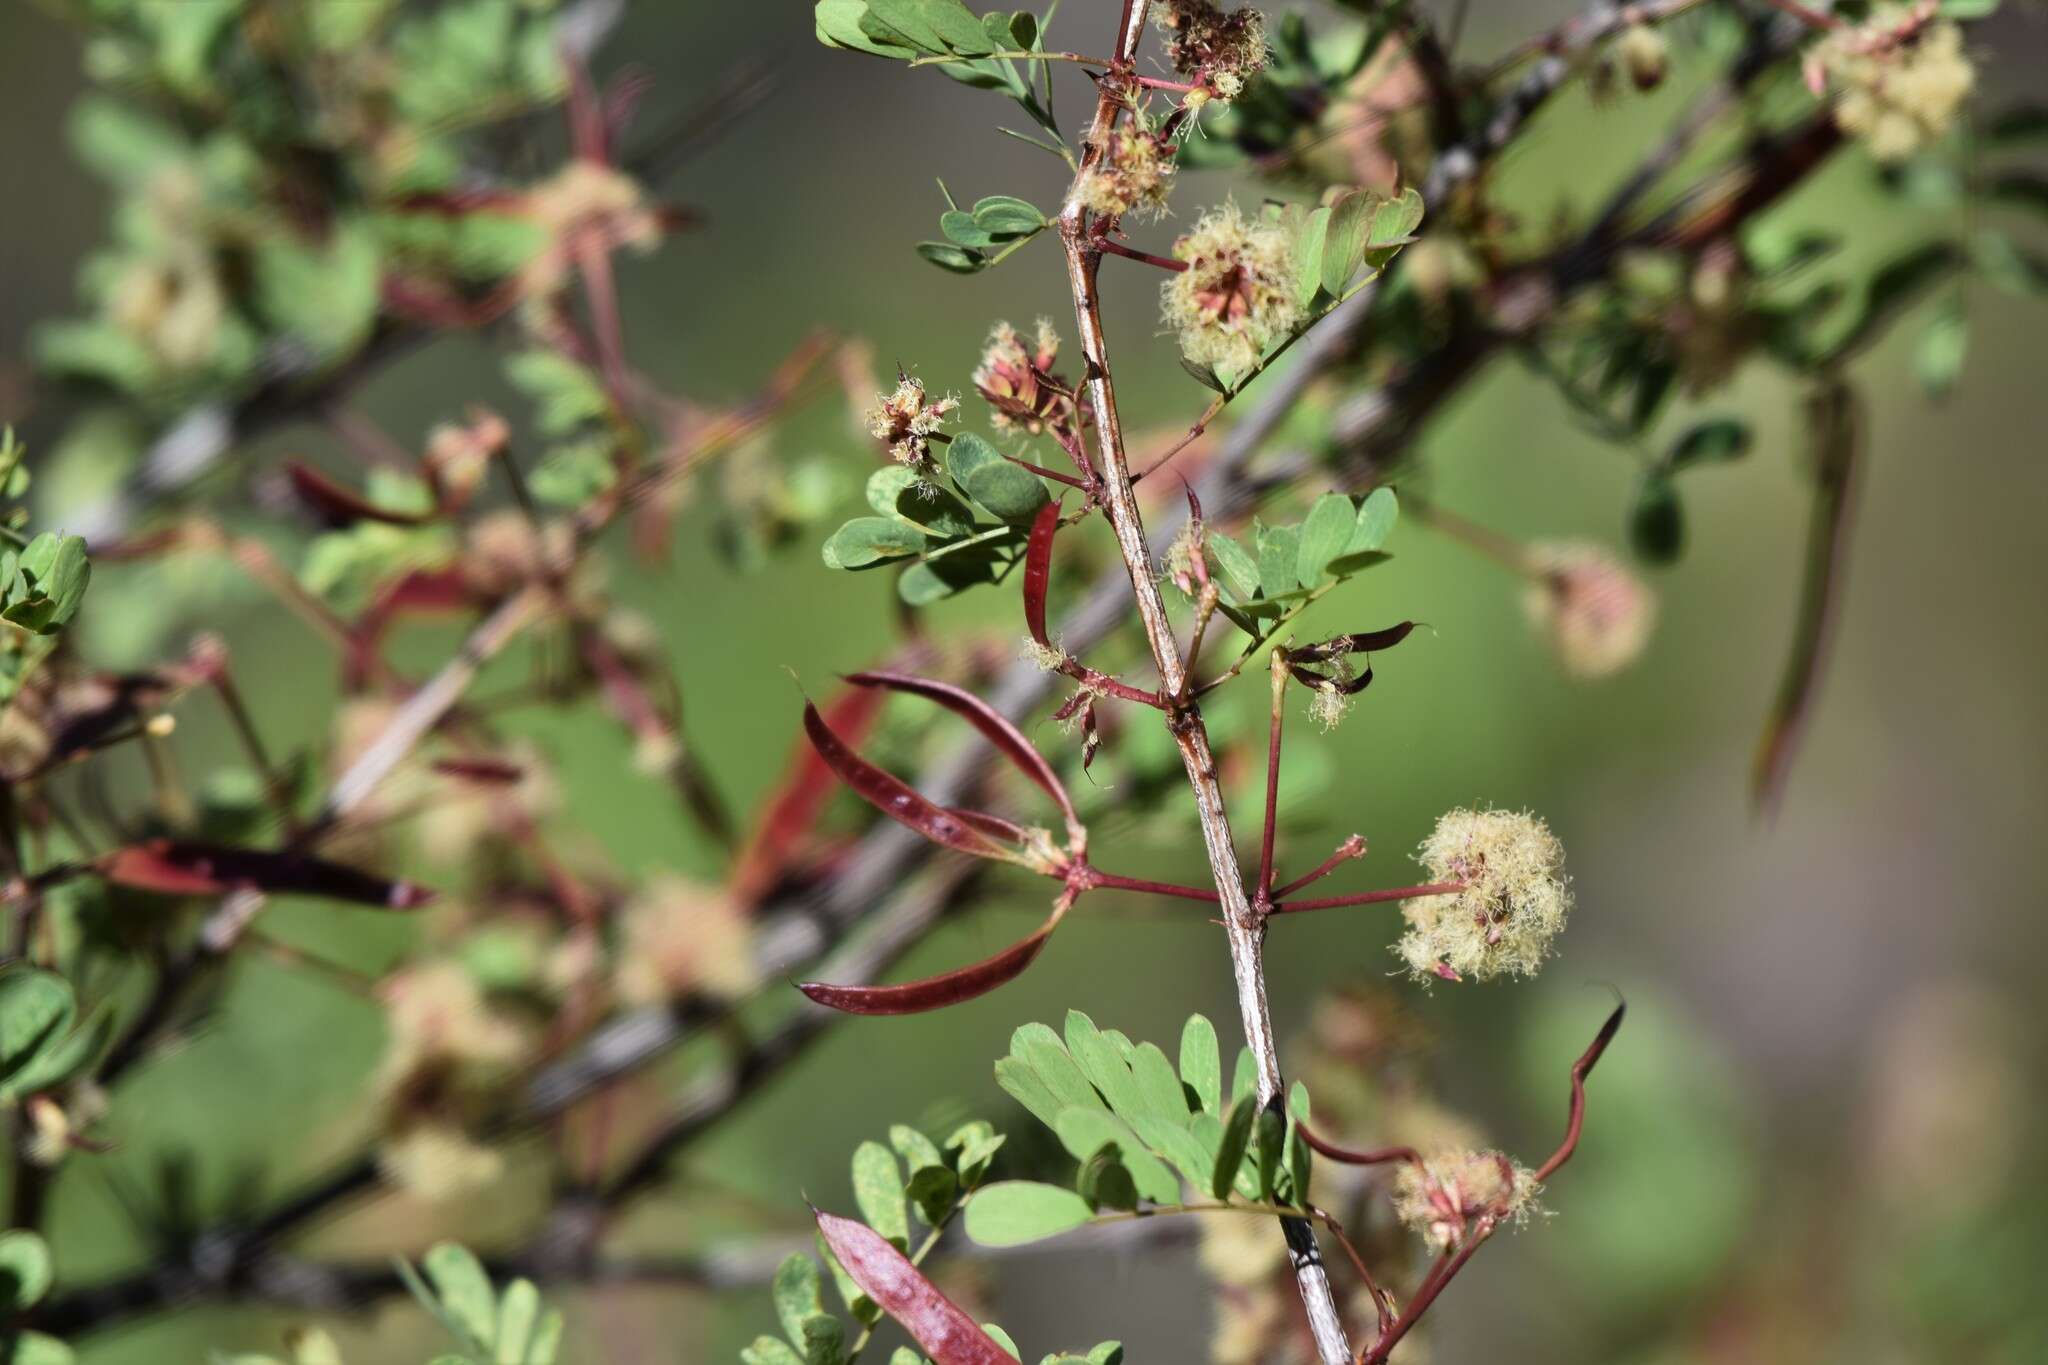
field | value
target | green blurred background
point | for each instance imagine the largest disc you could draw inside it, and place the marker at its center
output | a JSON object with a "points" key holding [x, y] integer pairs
{"points": [[1816, 1128]]}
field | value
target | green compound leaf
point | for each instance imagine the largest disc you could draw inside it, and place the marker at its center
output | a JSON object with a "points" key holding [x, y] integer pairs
{"points": [[1201, 1067], [1715, 441], [878, 1190], [1238, 566], [1016, 1212], [1325, 535], [464, 1292], [769, 1351], [1008, 491], [1344, 239], [1656, 523], [1004, 216], [867, 541], [1237, 1136], [958, 259], [36, 1011], [25, 1272]]}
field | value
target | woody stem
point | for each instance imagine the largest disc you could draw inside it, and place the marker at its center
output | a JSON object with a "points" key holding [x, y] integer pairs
{"points": [[1243, 925]]}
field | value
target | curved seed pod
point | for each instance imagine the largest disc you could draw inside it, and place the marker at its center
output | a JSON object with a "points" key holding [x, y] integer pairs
{"points": [[994, 726], [1038, 569], [338, 506], [798, 797], [176, 867], [1361, 642], [938, 1325], [893, 797], [948, 988]]}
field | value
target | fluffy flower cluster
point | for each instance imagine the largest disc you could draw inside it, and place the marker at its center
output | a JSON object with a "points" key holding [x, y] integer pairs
{"points": [[1217, 51], [1595, 613], [1443, 1196], [1132, 176], [682, 937], [1019, 384], [1643, 55], [1236, 298], [907, 419], [586, 198], [1901, 79], [1514, 902], [447, 1045]]}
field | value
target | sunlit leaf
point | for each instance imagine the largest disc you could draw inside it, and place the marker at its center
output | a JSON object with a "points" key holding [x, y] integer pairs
{"points": [[1016, 1212]]}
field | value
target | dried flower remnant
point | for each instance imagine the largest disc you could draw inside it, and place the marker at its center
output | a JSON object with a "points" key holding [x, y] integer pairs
{"points": [[589, 201], [907, 420], [438, 1021], [1596, 614], [459, 454], [438, 1161], [1219, 52], [1514, 902], [680, 937], [1049, 657], [1237, 296], [1132, 177], [446, 1045], [1902, 79], [1329, 699], [1019, 383], [1443, 1196]]}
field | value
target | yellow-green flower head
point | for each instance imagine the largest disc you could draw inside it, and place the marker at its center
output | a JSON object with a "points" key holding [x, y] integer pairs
{"points": [[1217, 51], [1236, 298], [1514, 902], [1901, 79], [1594, 612], [1131, 178], [1441, 1198]]}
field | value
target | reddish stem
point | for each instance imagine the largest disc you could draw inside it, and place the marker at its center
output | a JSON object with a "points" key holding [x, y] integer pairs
{"points": [[1350, 1156], [1042, 472], [1095, 877], [1132, 253], [1093, 680], [1580, 1070], [1439, 1276], [1398, 893], [1354, 847], [1263, 893]]}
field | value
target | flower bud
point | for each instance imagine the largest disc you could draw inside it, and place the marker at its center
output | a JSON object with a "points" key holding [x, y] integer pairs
{"points": [[1513, 904]]}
